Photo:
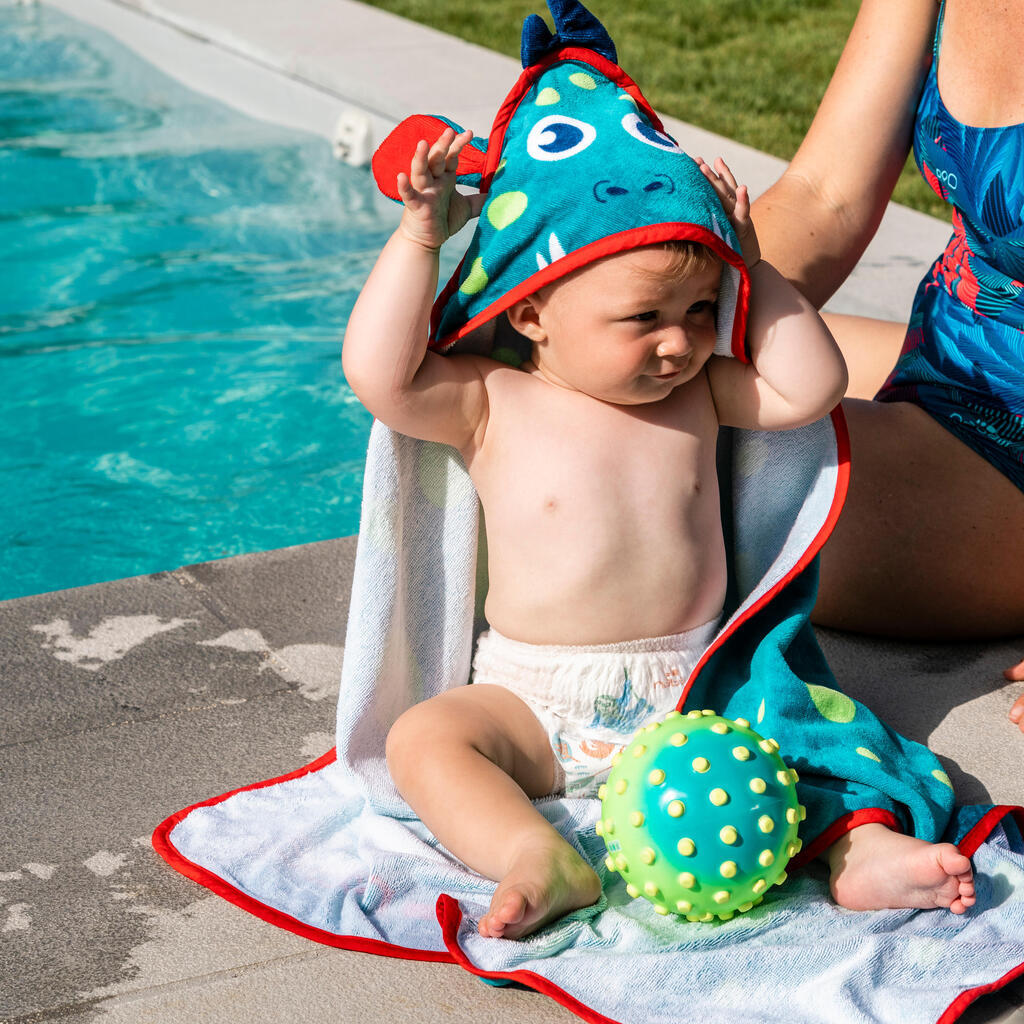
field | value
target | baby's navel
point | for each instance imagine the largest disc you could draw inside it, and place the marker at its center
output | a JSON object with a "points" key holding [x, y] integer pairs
{"points": [[550, 504]]}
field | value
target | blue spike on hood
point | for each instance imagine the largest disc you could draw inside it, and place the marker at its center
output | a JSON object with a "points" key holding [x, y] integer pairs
{"points": [[574, 26]]}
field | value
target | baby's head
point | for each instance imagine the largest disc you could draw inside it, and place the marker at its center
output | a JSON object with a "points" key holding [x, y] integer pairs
{"points": [[627, 328], [579, 175]]}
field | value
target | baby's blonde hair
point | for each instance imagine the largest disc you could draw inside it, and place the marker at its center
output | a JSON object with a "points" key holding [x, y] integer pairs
{"points": [[687, 259]]}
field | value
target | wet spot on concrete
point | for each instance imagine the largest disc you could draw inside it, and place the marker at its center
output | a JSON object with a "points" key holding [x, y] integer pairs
{"points": [[11, 876], [314, 668], [110, 641]]}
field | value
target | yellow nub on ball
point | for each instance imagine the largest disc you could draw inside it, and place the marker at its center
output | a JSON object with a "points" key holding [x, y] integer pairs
{"points": [[701, 764], [632, 890], [684, 906], [792, 815], [783, 777], [718, 797], [722, 896], [675, 808], [741, 753], [678, 739], [758, 785], [602, 791], [657, 777], [728, 869], [651, 889], [742, 722], [621, 785], [639, 750], [759, 886], [766, 746], [720, 728], [636, 818], [765, 824], [766, 858], [728, 835], [686, 880], [687, 847], [647, 855], [693, 714]]}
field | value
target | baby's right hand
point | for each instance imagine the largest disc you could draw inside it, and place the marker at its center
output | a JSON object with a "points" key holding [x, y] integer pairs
{"points": [[434, 211]]}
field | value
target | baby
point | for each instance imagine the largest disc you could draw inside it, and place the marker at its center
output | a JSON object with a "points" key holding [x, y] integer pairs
{"points": [[595, 464]]}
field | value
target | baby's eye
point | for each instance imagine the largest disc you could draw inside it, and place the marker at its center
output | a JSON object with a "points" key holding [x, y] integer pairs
{"points": [[705, 310], [650, 314]]}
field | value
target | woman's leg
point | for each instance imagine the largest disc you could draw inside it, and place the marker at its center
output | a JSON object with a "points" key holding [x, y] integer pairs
{"points": [[870, 348], [930, 544], [468, 762]]}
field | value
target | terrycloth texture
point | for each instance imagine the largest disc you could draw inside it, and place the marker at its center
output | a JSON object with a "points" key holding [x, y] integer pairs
{"points": [[335, 854]]}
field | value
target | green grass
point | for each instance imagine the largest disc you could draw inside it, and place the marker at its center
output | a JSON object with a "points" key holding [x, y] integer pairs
{"points": [[752, 70]]}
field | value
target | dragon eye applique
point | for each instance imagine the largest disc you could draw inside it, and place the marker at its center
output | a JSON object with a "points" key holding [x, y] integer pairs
{"points": [[640, 129], [557, 137]]}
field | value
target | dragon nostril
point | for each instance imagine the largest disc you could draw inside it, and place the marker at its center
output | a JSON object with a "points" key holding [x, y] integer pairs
{"points": [[653, 186], [604, 190]]}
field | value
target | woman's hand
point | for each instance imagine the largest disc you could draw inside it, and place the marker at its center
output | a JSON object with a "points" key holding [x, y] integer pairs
{"points": [[1016, 674], [434, 211], [736, 202]]}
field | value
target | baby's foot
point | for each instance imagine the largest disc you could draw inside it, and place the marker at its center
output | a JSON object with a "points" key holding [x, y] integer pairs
{"points": [[544, 881], [874, 868]]}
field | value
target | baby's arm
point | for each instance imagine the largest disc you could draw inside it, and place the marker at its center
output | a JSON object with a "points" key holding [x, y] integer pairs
{"points": [[385, 355], [797, 373]]}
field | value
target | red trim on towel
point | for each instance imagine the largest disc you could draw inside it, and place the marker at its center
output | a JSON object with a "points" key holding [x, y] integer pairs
{"points": [[449, 916], [967, 846], [838, 500], [163, 846]]}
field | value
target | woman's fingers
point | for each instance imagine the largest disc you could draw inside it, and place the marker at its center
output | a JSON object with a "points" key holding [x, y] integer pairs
{"points": [[1015, 673]]}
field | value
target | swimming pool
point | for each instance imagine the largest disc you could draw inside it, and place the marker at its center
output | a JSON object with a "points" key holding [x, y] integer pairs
{"points": [[175, 280]]}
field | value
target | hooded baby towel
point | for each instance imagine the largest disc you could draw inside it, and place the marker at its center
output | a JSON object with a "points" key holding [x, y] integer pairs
{"points": [[332, 852]]}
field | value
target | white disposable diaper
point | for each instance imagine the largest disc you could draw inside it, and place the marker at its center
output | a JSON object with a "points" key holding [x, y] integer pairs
{"points": [[592, 699]]}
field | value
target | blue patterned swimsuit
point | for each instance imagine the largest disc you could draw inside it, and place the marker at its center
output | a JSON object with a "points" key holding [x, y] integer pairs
{"points": [[963, 357]]}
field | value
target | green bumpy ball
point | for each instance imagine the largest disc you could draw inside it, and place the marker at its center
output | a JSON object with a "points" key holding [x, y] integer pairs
{"points": [[700, 815]]}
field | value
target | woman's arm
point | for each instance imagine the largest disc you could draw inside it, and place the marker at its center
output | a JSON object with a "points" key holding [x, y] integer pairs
{"points": [[816, 220]]}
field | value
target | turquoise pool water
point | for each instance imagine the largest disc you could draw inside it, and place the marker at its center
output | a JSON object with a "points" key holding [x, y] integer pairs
{"points": [[175, 280]]}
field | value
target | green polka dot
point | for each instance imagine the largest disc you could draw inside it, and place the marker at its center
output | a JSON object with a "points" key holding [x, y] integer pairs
{"points": [[832, 704], [942, 777], [864, 752], [582, 81], [506, 208], [476, 279], [547, 96]]}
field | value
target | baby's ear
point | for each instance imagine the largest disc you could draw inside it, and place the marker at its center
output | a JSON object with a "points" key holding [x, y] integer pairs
{"points": [[524, 316], [395, 153]]}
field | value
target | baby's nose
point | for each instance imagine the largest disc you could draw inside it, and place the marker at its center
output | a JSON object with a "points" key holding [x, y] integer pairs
{"points": [[673, 342]]}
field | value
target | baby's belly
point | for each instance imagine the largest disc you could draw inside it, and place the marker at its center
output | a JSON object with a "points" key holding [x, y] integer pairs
{"points": [[582, 586]]}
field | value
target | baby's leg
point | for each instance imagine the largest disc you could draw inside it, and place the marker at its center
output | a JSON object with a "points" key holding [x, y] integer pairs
{"points": [[874, 868], [468, 762]]}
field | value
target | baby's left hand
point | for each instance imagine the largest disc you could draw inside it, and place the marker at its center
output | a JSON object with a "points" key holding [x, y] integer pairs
{"points": [[736, 201]]}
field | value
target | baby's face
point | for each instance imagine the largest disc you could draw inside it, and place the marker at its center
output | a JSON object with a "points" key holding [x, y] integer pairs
{"points": [[622, 332]]}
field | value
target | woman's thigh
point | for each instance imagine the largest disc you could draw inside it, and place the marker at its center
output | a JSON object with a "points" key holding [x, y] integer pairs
{"points": [[930, 543], [870, 348]]}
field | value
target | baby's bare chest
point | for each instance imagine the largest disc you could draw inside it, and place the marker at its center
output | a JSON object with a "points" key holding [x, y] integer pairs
{"points": [[573, 463]]}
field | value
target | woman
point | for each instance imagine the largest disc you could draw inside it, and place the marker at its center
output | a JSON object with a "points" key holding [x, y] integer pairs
{"points": [[931, 542]]}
